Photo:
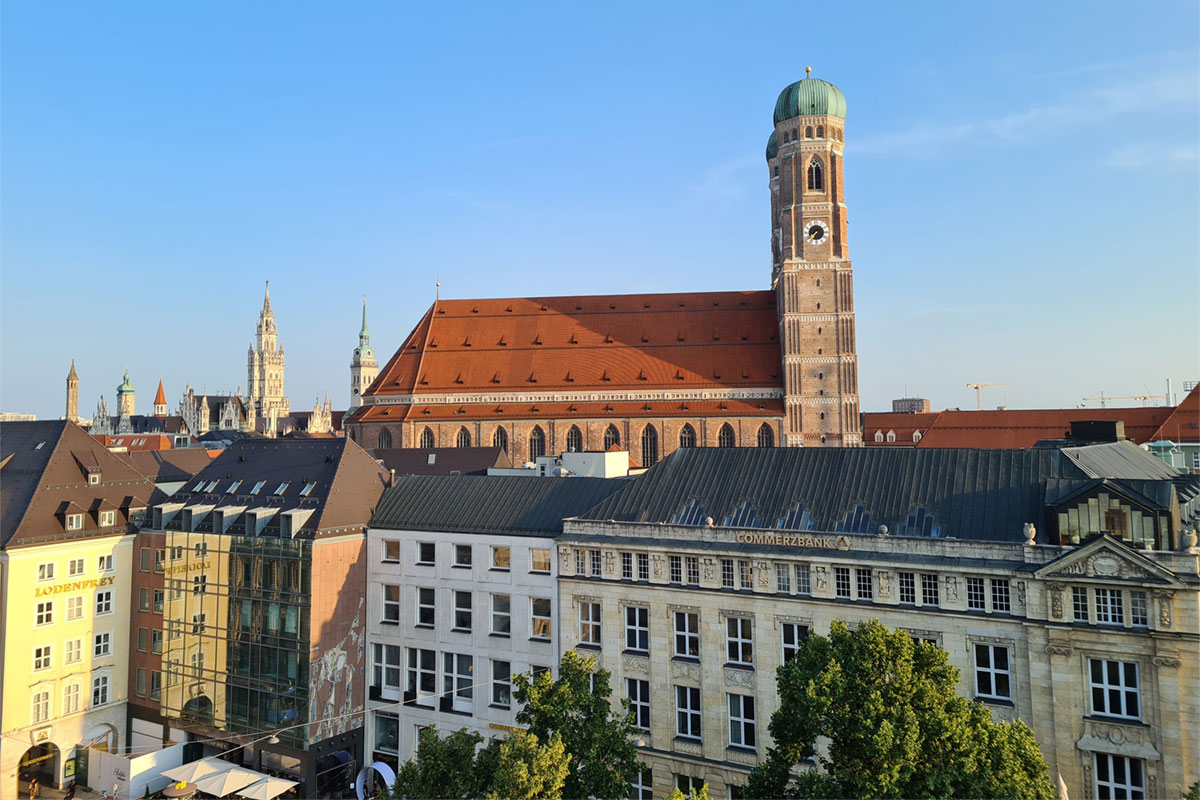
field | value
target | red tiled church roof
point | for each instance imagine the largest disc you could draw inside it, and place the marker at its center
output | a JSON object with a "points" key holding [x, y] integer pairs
{"points": [[1183, 425], [563, 411]]}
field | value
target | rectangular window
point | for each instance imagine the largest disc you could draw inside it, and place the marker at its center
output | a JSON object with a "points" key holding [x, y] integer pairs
{"points": [[580, 562], [676, 567], [45, 613], [41, 658], [387, 732], [501, 683], [199, 626], [104, 602], [71, 698], [626, 566], [462, 555], [426, 606], [589, 623], [908, 588], [783, 578], [425, 553], [144, 558], [739, 640], [793, 634], [741, 721], [501, 614], [385, 669], [155, 684], [501, 557], [929, 590], [391, 551], [727, 573], [638, 692], [1001, 599], [199, 584], [539, 560], [45, 571], [143, 599], [687, 712], [688, 785], [75, 567], [105, 563], [643, 561], [457, 683], [99, 690], [687, 634], [143, 639], [637, 629], [74, 651], [462, 611], [596, 566], [992, 674], [156, 640], [74, 608], [422, 674], [41, 707], [140, 683], [108, 519], [540, 613], [160, 557], [803, 579], [642, 787], [976, 600], [841, 582], [1120, 777], [1109, 610], [391, 603], [862, 581], [1079, 602], [1139, 614], [157, 606], [745, 575], [693, 570], [74, 522], [1114, 686]]}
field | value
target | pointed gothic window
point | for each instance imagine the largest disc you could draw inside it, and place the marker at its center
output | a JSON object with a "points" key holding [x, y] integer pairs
{"points": [[649, 446], [385, 439], [808, 132], [816, 175], [725, 437], [687, 436], [426, 438], [612, 437], [820, 132], [500, 439], [463, 439], [766, 436], [537, 443], [574, 440]]}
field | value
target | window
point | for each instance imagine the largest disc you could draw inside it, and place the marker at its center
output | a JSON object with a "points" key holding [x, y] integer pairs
{"points": [[463, 439], [687, 712], [74, 522], [739, 640], [687, 634], [1001, 599], [612, 437], [71, 698], [199, 584], [766, 436], [727, 573], [501, 614], [1120, 778], [457, 684], [99, 690], [649, 446], [589, 623], [638, 692], [693, 570], [1109, 610], [745, 575], [500, 439], [908, 588], [725, 437], [862, 579], [992, 673], [462, 611], [104, 602], [793, 634], [574, 440], [540, 612], [199, 623], [156, 639], [426, 606], [540, 560], [41, 658], [676, 569], [74, 651], [537, 443], [391, 550], [842, 582], [233, 487], [580, 562], [741, 721], [1139, 614], [258, 487], [596, 564], [143, 599], [425, 553], [501, 683], [462, 555], [929, 590], [642, 787], [157, 605], [45, 571], [41, 706], [637, 628], [74, 608], [140, 683], [422, 674], [976, 601], [75, 567], [1114, 687], [105, 563], [687, 436], [386, 666], [391, 603], [783, 578], [643, 562], [108, 519], [1079, 602], [891, 436], [803, 579], [155, 684], [688, 785], [45, 613], [501, 557], [626, 566], [816, 175], [143, 639]]}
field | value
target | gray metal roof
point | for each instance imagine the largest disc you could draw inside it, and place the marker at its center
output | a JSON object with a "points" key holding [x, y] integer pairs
{"points": [[488, 504]]}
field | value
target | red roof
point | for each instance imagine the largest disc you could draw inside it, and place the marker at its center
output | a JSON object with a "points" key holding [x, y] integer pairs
{"points": [[562, 411], [137, 441], [160, 399], [902, 424], [1183, 425]]}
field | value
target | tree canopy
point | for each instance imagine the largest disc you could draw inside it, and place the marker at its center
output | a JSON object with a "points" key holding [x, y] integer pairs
{"points": [[894, 725]]}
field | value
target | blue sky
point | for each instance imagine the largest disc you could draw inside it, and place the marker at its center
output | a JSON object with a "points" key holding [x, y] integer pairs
{"points": [[1022, 181]]}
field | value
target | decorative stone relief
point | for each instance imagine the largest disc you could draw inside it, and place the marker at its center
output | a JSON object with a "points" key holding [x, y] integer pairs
{"points": [[741, 757], [609, 561], [822, 581], [1134, 741], [658, 561], [763, 571], [708, 569], [691, 748], [1059, 649], [685, 669], [636, 664], [1056, 599], [565, 558], [1021, 593], [885, 585], [952, 587], [1167, 661], [739, 677], [1164, 599]]}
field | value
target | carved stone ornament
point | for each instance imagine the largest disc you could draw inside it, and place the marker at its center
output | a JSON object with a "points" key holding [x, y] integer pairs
{"points": [[1056, 599], [658, 561], [691, 748], [1164, 599], [763, 580], [1105, 565], [1059, 649], [565, 558], [636, 664], [1021, 592], [1167, 661], [1030, 534], [1134, 741], [952, 587], [885, 584], [821, 579], [708, 569], [609, 561], [685, 669], [739, 677]]}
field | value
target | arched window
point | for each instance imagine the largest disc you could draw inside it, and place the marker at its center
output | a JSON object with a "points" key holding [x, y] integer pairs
{"points": [[574, 440], [687, 436], [808, 132], [426, 438], [649, 446], [612, 437], [916, 436], [463, 439], [537, 443], [891, 436], [766, 436], [725, 437], [820, 132], [385, 439], [500, 439], [879, 436], [816, 175]]}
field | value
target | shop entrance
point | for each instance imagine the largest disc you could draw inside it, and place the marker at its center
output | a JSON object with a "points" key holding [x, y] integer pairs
{"points": [[41, 762]]}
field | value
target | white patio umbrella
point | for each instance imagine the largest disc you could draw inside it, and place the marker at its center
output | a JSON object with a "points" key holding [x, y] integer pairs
{"points": [[228, 781], [266, 789], [194, 770]]}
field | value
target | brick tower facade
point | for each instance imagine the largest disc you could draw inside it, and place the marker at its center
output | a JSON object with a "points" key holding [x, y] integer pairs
{"points": [[811, 272], [72, 394]]}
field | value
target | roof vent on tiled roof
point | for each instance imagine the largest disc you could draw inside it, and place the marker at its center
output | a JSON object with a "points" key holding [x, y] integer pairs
{"points": [[608, 408], [475, 310], [716, 303], [499, 410], [533, 409], [544, 308], [683, 407], [537, 339], [509, 309], [678, 374], [572, 409], [645, 338], [423, 381], [608, 339], [467, 342], [460, 410], [604, 376], [612, 306], [433, 342], [641, 375], [723, 407], [532, 378], [441, 311], [496, 378], [572, 340], [646, 407], [716, 376], [569, 379], [679, 336], [502, 343], [716, 336], [426, 411], [645, 305], [458, 379], [681, 305]]}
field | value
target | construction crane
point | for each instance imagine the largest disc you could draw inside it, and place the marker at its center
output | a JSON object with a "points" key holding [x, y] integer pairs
{"points": [[1104, 399], [979, 394]]}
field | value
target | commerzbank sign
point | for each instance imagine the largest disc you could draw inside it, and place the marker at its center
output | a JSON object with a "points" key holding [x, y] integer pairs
{"points": [[789, 540], [74, 586]]}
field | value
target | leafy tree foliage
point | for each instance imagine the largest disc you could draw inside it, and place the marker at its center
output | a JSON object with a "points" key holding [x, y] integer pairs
{"points": [[450, 767], [692, 794], [894, 725], [576, 707], [528, 770]]}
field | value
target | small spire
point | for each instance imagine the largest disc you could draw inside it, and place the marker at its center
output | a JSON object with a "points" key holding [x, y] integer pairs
{"points": [[267, 299], [364, 332], [72, 374]]}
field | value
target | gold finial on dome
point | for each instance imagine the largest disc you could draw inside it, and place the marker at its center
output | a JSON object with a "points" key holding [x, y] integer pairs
{"points": [[807, 71]]}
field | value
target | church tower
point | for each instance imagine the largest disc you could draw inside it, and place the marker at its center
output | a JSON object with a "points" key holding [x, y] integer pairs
{"points": [[363, 367], [160, 401], [265, 364], [72, 394], [125, 397], [810, 266]]}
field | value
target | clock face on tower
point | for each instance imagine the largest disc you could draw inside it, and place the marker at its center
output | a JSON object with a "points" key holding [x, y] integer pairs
{"points": [[816, 232]]}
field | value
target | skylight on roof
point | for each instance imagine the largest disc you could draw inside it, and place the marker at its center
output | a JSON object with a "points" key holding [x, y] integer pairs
{"points": [[282, 488], [233, 487], [211, 485], [198, 486], [39, 445], [307, 490], [258, 486]]}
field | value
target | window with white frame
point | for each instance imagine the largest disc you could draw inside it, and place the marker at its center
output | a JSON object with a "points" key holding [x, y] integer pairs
{"points": [[73, 651], [41, 658], [426, 606], [626, 566], [425, 553], [501, 557], [1109, 608], [1114, 688], [391, 551], [687, 634], [993, 676], [862, 584], [739, 640], [741, 721], [44, 614], [422, 674], [727, 573], [1120, 777], [638, 693], [687, 712], [596, 564], [589, 623], [792, 635], [75, 567], [99, 690], [642, 787], [104, 602], [675, 571], [580, 561], [74, 522], [462, 611], [108, 519], [637, 628], [71, 698], [745, 575], [976, 598], [1139, 610], [930, 595], [501, 683], [45, 572], [643, 564], [386, 667], [783, 578], [803, 579], [1001, 598], [841, 582], [693, 570], [539, 560], [74, 607], [1079, 604], [41, 706], [462, 555], [457, 682], [105, 563], [387, 732], [501, 614], [540, 617], [908, 588]]}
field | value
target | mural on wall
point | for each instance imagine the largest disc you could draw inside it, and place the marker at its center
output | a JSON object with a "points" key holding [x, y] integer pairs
{"points": [[332, 677]]}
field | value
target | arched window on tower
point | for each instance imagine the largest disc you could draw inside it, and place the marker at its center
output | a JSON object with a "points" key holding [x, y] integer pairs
{"points": [[426, 439], [766, 436], [725, 437], [687, 436], [463, 439], [816, 175], [500, 439], [574, 440], [612, 437], [649, 446], [385, 439], [537, 443], [808, 132], [820, 132]]}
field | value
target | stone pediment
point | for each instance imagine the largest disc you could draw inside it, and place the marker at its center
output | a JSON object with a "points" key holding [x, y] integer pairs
{"points": [[1107, 559]]}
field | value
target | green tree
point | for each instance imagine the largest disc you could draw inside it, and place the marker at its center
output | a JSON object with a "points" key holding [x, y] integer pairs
{"points": [[577, 708], [450, 767], [895, 726], [528, 770], [691, 795]]}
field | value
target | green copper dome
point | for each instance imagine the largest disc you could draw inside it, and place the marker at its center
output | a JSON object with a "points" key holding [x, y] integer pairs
{"points": [[810, 96], [772, 146], [126, 387]]}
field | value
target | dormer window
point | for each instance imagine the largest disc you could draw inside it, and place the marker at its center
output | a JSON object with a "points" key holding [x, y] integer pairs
{"points": [[258, 487], [108, 519], [891, 436], [307, 490], [233, 487], [282, 488], [916, 436], [879, 436], [74, 522], [94, 478]]}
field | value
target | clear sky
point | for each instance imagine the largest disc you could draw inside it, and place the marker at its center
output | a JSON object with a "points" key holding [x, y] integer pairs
{"points": [[1022, 178]]}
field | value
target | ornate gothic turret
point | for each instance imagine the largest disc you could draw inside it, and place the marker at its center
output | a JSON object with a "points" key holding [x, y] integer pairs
{"points": [[72, 394], [363, 366], [265, 365]]}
